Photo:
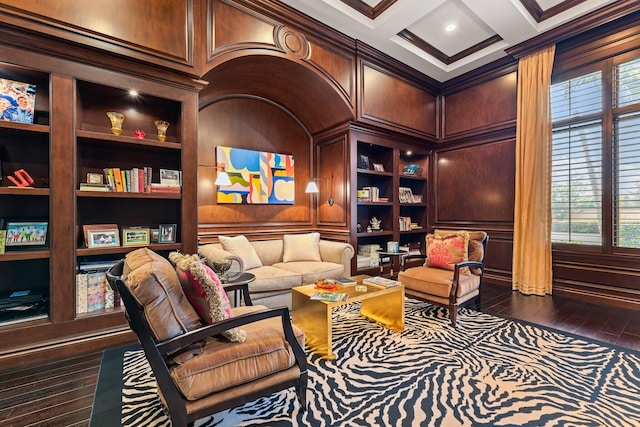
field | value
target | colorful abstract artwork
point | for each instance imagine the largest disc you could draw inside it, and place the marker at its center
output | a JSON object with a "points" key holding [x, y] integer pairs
{"points": [[257, 177]]}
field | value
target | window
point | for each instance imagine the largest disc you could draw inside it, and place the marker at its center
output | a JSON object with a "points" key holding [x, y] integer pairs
{"points": [[595, 190]]}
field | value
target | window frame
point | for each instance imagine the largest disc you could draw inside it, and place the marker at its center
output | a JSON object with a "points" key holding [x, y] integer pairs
{"points": [[608, 115]]}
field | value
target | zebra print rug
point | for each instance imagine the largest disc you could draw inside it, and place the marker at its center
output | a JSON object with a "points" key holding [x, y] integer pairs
{"points": [[487, 372]]}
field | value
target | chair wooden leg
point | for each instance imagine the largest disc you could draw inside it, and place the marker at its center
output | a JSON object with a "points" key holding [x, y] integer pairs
{"points": [[478, 303], [453, 314], [301, 392]]}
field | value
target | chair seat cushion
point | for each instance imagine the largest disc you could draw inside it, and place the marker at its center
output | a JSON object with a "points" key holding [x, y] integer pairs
{"points": [[223, 365], [436, 281]]}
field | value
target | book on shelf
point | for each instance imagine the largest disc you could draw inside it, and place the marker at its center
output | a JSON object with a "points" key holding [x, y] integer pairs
{"points": [[85, 186], [164, 188], [135, 180], [329, 296], [374, 193], [380, 281], [345, 281]]}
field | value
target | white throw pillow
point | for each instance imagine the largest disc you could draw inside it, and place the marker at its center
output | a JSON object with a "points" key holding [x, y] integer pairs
{"points": [[240, 247], [301, 247]]}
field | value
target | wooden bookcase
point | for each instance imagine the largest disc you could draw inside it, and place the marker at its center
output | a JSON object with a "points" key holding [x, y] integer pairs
{"points": [[393, 154], [70, 138]]}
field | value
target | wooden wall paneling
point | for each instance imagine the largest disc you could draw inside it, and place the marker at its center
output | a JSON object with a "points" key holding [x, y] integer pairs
{"points": [[338, 65], [62, 199], [333, 163], [474, 183], [255, 124], [479, 109], [160, 33], [391, 102]]}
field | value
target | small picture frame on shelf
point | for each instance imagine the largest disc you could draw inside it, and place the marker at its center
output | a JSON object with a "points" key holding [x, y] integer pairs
{"points": [[406, 195], [94, 178], [103, 238], [364, 161], [136, 236], [88, 227], [379, 167], [155, 233], [18, 100], [23, 235], [170, 177], [167, 233]]}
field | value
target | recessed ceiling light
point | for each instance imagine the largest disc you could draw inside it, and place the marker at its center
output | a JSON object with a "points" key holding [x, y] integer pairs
{"points": [[133, 92], [450, 27]]}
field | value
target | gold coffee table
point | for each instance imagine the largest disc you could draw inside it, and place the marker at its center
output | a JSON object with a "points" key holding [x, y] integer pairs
{"points": [[384, 306]]}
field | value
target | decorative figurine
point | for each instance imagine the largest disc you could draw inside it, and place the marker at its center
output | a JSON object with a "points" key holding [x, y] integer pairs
{"points": [[139, 134], [375, 224], [23, 178], [116, 122], [162, 129]]}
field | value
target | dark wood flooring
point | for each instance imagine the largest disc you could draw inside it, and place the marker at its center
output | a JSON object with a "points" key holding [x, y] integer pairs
{"points": [[60, 392]]}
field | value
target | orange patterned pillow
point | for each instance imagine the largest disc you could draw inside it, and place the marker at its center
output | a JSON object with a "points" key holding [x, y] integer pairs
{"points": [[445, 251]]}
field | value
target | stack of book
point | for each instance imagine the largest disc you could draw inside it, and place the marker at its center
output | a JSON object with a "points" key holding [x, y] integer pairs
{"points": [[136, 180], [380, 281], [93, 291], [329, 296]]}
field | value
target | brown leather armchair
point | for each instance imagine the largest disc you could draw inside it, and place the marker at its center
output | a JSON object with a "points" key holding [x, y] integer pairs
{"points": [[198, 371], [449, 286]]}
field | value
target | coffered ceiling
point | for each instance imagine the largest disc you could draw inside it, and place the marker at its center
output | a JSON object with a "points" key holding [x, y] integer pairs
{"points": [[445, 38]]}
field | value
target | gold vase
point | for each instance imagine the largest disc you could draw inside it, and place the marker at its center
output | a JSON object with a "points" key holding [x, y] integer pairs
{"points": [[162, 129], [116, 122]]}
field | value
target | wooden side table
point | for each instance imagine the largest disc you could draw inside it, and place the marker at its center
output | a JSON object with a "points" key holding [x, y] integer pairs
{"points": [[391, 263], [240, 285]]}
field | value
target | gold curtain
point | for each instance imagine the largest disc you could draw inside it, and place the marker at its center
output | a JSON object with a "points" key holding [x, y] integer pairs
{"points": [[532, 272]]}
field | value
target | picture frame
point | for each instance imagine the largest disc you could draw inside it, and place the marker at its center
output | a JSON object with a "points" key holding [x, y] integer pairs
{"points": [[406, 195], [364, 161], [88, 227], [167, 233], [17, 101], [136, 236], [26, 234], [379, 167], [155, 233], [170, 177], [94, 178], [103, 238]]}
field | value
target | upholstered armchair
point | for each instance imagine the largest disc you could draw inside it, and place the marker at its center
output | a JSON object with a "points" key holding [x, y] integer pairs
{"points": [[452, 272], [206, 362]]}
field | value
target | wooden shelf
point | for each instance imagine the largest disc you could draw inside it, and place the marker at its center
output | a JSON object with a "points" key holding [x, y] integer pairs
{"points": [[125, 249], [24, 127], [127, 195], [118, 139], [26, 191], [24, 255]]}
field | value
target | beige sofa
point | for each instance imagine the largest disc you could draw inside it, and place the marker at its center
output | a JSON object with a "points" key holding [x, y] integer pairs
{"points": [[281, 264]]}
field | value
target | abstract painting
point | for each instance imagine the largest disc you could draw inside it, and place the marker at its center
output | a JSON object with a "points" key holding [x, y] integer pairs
{"points": [[257, 177]]}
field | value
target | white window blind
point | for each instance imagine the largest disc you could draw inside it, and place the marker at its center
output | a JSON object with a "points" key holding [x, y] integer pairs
{"points": [[627, 179]]}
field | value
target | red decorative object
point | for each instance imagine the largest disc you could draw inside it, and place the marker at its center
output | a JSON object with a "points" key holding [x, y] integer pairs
{"points": [[23, 178], [138, 134]]}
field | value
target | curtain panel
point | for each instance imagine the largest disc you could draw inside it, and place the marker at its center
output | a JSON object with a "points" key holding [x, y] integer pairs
{"points": [[532, 268]]}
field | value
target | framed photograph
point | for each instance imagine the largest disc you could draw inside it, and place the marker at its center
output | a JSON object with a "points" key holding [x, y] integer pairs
{"points": [[378, 167], [155, 233], [23, 235], [105, 238], [406, 195], [364, 161], [136, 236], [167, 233], [87, 227], [17, 101], [170, 177], [94, 178]]}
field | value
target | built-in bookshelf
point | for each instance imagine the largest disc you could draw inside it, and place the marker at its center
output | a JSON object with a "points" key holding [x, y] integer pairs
{"points": [[70, 143], [391, 187]]}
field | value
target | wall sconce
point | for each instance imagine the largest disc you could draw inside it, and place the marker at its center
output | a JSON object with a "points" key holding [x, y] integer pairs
{"points": [[313, 188], [223, 176]]}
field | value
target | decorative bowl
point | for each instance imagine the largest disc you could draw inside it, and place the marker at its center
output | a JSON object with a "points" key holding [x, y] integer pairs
{"points": [[325, 284]]}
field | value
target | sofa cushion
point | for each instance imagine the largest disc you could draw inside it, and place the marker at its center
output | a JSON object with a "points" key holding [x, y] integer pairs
{"points": [[222, 366], [312, 271], [154, 284], [270, 278], [205, 292], [241, 247], [301, 247], [446, 250]]}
